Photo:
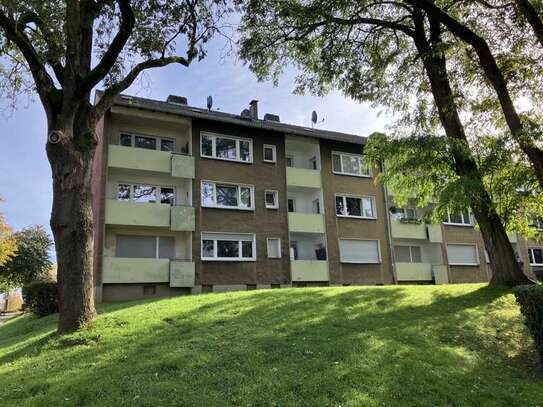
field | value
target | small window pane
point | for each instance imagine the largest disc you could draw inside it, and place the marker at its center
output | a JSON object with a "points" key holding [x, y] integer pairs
{"points": [[415, 254], [466, 218], [351, 165], [269, 154], [274, 248], [166, 145], [340, 206], [364, 167], [336, 162], [144, 193], [291, 205], [537, 256], [166, 247], [207, 149], [402, 254], [123, 193], [367, 207], [227, 195], [207, 194], [353, 206], [227, 248], [125, 140], [135, 246], [207, 248], [145, 142], [289, 161], [167, 196], [247, 249], [245, 150], [271, 201], [245, 194], [225, 148]]}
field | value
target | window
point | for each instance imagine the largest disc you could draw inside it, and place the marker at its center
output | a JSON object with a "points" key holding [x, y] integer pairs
{"points": [[147, 142], [407, 254], [227, 196], [274, 247], [271, 199], [289, 160], [535, 255], [228, 246], [355, 207], [150, 247], [350, 164], [146, 193], [291, 204], [359, 251], [538, 223], [226, 148], [462, 255], [459, 219], [313, 165], [270, 153], [404, 214]]}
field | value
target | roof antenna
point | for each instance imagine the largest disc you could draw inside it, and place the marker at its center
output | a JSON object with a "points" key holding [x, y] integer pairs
{"points": [[209, 102], [314, 118]]}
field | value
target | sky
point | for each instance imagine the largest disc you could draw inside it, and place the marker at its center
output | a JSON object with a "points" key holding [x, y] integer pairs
{"points": [[25, 175]]}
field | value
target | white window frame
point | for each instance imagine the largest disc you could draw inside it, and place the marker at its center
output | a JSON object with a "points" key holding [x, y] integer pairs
{"points": [[276, 198], [215, 247], [157, 192], [379, 260], [478, 260], [448, 221], [359, 156], [157, 138], [403, 216], [213, 155], [530, 254], [345, 196], [410, 253], [278, 240], [274, 153], [239, 186]]}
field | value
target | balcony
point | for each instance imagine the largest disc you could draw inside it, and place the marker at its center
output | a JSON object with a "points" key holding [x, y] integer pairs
{"points": [[303, 177], [117, 270], [414, 271], [176, 165], [306, 222], [176, 218], [182, 273], [309, 270], [402, 230]]}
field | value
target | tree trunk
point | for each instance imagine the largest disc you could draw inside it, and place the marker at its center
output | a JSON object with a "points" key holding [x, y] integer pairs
{"points": [[505, 268], [71, 223]]}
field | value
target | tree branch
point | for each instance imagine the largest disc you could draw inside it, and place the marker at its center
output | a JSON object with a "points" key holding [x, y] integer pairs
{"points": [[531, 14], [99, 72]]}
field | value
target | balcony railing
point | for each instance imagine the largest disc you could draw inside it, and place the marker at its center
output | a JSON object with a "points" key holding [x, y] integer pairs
{"points": [[402, 230], [309, 270], [414, 271], [303, 177], [306, 222]]}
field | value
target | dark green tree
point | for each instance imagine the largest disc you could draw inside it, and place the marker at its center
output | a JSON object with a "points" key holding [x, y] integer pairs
{"points": [[62, 50]]}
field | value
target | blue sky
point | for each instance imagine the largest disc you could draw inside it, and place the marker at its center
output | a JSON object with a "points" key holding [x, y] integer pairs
{"points": [[25, 176]]}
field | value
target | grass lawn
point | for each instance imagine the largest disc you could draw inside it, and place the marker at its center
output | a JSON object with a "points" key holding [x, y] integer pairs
{"points": [[410, 345]]}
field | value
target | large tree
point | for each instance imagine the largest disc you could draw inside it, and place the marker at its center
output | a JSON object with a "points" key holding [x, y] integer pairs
{"points": [[68, 47], [385, 52], [8, 244]]}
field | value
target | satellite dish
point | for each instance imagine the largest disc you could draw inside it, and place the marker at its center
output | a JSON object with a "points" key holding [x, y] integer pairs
{"points": [[209, 102], [314, 117]]}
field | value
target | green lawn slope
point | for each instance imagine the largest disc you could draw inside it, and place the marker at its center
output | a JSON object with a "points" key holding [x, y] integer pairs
{"points": [[409, 345]]}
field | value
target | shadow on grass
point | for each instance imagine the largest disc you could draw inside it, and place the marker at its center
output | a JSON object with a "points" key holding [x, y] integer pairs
{"points": [[294, 347]]}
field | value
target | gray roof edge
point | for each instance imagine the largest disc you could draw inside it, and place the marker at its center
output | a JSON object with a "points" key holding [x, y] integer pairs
{"points": [[199, 113]]}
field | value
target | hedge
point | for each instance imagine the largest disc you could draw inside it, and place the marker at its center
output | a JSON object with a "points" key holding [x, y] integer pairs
{"points": [[530, 299], [41, 297]]}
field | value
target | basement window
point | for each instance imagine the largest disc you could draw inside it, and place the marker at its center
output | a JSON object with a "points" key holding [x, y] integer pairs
{"points": [[149, 290]]}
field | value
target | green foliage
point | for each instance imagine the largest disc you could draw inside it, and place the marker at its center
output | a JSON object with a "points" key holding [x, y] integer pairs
{"points": [[41, 297], [353, 346], [31, 261], [530, 299]]}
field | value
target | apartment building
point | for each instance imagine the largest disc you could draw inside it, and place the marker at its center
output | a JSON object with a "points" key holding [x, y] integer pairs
{"points": [[190, 200]]}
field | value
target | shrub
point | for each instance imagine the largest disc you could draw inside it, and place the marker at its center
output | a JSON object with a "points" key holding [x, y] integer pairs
{"points": [[41, 297], [530, 299]]}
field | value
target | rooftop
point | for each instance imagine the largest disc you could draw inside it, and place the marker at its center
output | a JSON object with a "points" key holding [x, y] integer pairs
{"points": [[246, 121]]}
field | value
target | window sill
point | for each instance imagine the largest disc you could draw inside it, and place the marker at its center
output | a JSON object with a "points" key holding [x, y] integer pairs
{"points": [[536, 264], [272, 207], [465, 264], [352, 175], [360, 262], [269, 162], [229, 208], [226, 159], [458, 224], [357, 217], [228, 259]]}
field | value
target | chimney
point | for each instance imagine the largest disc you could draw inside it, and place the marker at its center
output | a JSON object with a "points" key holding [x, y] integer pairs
{"points": [[177, 100], [271, 117], [253, 107]]}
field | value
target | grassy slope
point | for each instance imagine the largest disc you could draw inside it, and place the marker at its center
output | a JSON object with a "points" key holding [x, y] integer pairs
{"points": [[421, 345]]}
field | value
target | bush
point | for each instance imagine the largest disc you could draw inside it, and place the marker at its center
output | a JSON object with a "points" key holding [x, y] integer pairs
{"points": [[41, 297], [530, 299]]}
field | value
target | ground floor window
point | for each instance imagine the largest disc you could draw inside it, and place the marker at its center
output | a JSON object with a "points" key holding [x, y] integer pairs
{"points": [[359, 251], [228, 246], [151, 247], [462, 255], [407, 254], [535, 254]]}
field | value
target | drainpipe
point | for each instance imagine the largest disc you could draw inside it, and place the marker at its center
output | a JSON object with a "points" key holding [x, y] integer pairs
{"points": [[389, 230]]}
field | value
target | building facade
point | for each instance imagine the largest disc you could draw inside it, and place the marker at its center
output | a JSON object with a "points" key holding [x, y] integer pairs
{"points": [[189, 200]]}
